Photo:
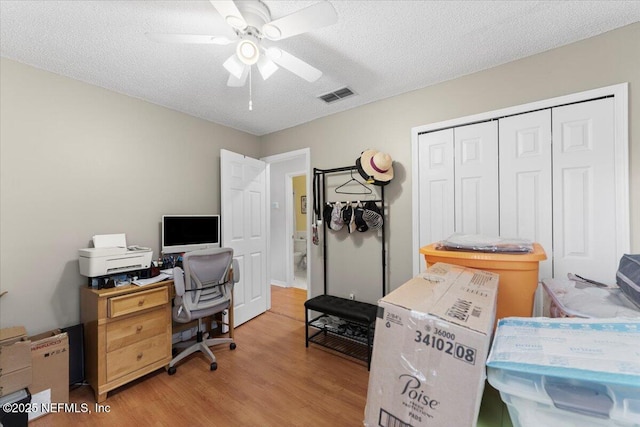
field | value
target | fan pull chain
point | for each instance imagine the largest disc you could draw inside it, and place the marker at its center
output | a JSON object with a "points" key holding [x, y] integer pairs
{"points": [[250, 91]]}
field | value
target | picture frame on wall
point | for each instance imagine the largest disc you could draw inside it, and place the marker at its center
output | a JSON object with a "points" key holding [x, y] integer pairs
{"points": [[303, 205]]}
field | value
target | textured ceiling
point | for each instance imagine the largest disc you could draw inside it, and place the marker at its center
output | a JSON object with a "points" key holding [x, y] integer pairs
{"points": [[377, 48]]}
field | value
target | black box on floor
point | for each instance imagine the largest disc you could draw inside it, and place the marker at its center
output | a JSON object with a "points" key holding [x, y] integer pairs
{"points": [[13, 411], [76, 353]]}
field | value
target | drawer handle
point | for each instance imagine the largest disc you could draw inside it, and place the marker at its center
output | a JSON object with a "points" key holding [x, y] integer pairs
{"points": [[139, 329], [141, 303], [139, 356]]}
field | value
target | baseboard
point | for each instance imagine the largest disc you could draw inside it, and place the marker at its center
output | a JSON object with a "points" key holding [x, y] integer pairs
{"points": [[279, 283]]}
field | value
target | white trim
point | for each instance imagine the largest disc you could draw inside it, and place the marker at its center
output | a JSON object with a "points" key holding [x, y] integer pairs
{"points": [[415, 202], [621, 148], [279, 283], [267, 177], [621, 128]]}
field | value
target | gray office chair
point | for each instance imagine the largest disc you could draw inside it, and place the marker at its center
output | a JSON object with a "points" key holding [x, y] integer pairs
{"points": [[203, 289]]}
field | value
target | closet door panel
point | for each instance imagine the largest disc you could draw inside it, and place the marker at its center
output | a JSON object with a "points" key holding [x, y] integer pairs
{"points": [[584, 214], [436, 186], [476, 179], [525, 180]]}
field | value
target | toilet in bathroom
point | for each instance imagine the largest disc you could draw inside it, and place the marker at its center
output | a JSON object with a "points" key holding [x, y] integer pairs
{"points": [[300, 253]]}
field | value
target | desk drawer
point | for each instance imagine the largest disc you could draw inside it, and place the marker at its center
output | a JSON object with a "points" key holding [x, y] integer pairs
{"points": [[124, 332], [136, 356], [127, 304]]}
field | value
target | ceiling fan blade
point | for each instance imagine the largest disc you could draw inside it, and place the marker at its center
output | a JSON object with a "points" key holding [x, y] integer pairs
{"points": [[266, 67], [293, 64], [312, 17], [239, 81], [230, 13], [189, 38], [234, 66]]}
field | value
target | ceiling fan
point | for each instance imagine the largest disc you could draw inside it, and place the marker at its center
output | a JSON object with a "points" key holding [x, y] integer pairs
{"points": [[251, 22]]}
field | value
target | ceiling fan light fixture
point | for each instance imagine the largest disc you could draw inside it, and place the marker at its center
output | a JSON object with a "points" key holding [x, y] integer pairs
{"points": [[234, 66], [271, 32], [266, 67], [248, 52]]}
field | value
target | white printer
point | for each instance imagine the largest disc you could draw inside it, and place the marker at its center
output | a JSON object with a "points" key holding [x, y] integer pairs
{"points": [[111, 256]]}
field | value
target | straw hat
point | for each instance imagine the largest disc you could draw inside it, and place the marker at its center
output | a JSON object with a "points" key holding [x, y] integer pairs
{"points": [[376, 165]]}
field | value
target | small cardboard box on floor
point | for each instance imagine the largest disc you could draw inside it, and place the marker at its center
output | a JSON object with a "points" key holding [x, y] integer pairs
{"points": [[431, 342], [50, 363]]}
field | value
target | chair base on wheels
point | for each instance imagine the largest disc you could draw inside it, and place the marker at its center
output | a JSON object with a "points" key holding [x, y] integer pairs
{"points": [[202, 344]]}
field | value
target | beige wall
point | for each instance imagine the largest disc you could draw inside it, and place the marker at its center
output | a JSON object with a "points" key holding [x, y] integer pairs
{"points": [[78, 160], [605, 60]]}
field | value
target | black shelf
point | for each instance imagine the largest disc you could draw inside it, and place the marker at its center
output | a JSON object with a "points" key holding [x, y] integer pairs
{"points": [[353, 339]]}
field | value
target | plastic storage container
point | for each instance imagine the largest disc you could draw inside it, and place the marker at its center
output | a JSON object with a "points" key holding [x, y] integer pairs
{"points": [[518, 274], [573, 299], [567, 372]]}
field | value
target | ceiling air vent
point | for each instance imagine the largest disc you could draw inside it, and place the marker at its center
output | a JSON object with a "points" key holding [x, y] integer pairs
{"points": [[336, 95]]}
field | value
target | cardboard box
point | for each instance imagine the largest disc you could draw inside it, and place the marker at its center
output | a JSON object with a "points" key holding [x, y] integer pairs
{"points": [[15, 360], [518, 274], [430, 346], [50, 363]]}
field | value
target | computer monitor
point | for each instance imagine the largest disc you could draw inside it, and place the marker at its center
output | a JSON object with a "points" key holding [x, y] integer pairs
{"points": [[184, 233]]}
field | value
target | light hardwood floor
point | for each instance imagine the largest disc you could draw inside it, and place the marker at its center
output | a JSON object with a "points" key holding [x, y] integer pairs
{"points": [[271, 379]]}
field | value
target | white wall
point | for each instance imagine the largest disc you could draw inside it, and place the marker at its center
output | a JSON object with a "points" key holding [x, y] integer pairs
{"points": [[277, 248], [77, 160], [337, 140]]}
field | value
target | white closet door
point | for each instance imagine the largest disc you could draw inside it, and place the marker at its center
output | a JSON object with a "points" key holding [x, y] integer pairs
{"points": [[584, 211], [476, 179], [435, 152], [525, 181]]}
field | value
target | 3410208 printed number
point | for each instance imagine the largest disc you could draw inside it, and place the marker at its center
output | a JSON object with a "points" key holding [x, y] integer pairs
{"points": [[454, 349]]}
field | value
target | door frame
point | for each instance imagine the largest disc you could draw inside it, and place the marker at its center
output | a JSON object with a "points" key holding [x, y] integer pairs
{"points": [[282, 157], [621, 148]]}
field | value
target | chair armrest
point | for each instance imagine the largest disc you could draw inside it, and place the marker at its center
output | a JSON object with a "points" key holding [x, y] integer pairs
{"points": [[178, 280], [236, 271]]}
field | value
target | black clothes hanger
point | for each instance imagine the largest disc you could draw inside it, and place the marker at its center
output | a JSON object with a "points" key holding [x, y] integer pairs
{"points": [[365, 189]]}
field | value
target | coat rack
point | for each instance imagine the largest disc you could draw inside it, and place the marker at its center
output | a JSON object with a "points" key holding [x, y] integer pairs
{"points": [[319, 190]]}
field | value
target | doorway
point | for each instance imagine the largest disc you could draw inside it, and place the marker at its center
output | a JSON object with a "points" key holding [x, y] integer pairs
{"points": [[281, 221], [297, 229]]}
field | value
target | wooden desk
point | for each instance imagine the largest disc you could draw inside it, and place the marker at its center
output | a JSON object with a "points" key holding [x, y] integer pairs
{"points": [[127, 333]]}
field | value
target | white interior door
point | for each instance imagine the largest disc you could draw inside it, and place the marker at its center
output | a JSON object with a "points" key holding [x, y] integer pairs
{"points": [[525, 181], [243, 206], [476, 178], [435, 153], [584, 199]]}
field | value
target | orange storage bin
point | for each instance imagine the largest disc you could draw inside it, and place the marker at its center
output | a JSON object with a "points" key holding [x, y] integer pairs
{"points": [[518, 274]]}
